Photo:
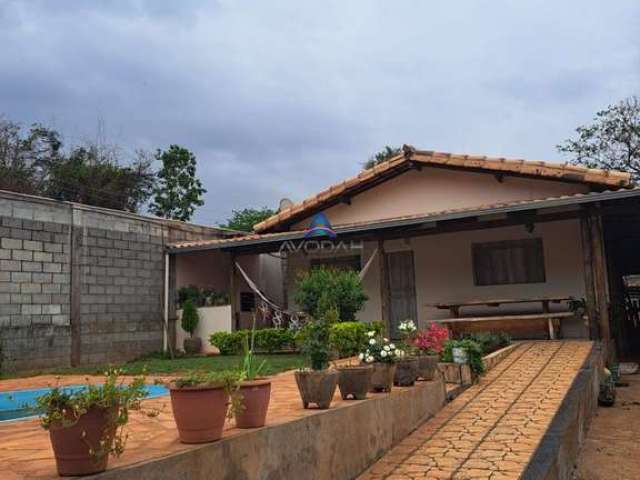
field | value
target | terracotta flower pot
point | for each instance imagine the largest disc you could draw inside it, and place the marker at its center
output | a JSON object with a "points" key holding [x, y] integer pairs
{"points": [[199, 412], [254, 403], [317, 387], [72, 445], [355, 381], [427, 366], [192, 345], [382, 377], [406, 372]]}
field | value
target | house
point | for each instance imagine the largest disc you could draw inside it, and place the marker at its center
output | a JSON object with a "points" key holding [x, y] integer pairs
{"points": [[473, 241]]}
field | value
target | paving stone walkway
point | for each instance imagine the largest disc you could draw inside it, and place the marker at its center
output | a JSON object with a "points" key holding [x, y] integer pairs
{"points": [[491, 430]]}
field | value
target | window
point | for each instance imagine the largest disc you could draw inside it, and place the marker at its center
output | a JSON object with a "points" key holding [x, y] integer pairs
{"points": [[351, 262], [247, 301], [508, 262]]}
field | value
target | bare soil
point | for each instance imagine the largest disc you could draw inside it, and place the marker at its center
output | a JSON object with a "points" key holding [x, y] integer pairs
{"points": [[612, 447]]}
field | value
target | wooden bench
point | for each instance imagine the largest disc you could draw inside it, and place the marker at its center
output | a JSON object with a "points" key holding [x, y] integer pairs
{"points": [[548, 316]]}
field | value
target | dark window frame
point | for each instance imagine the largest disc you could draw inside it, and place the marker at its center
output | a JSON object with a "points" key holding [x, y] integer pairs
{"points": [[247, 301], [508, 262]]}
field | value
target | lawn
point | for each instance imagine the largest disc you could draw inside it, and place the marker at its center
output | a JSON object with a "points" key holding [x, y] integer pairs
{"points": [[159, 364]]}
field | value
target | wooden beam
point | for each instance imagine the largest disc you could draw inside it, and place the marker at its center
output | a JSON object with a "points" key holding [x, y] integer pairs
{"points": [[589, 283], [600, 277], [233, 294], [384, 286]]}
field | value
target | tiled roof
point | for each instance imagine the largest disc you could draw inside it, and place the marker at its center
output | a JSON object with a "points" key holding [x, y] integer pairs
{"points": [[450, 214], [411, 156]]}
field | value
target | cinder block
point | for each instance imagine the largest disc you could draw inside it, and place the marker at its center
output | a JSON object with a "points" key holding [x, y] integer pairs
{"points": [[5, 298], [21, 234], [9, 287], [29, 288], [42, 236], [31, 266], [60, 278], [42, 257], [51, 309], [31, 309], [10, 309], [52, 267], [5, 276], [20, 277], [32, 245], [11, 243], [20, 298], [26, 255], [11, 222], [10, 265], [5, 254], [43, 299], [52, 247]]}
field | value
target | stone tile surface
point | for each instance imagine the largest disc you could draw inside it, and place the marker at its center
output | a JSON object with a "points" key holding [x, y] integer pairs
{"points": [[491, 430]]}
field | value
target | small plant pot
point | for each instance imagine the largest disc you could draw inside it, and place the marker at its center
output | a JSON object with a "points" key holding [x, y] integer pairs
{"points": [[355, 381], [74, 440], [406, 372], [192, 345], [254, 403], [460, 355], [382, 377], [317, 387], [199, 412], [427, 366]]}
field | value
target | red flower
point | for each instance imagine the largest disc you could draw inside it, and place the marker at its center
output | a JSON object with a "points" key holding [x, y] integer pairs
{"points": [[432, 339]]}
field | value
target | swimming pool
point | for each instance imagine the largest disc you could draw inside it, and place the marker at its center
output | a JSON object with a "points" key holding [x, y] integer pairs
{"points": [[18, 404]]}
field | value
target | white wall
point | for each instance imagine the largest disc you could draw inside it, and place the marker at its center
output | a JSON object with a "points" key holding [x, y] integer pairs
{"points": [[212, 319], [444, 273]]}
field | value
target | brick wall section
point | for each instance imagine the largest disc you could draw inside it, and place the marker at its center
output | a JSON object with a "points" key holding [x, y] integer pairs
{"points": [[81, 285]]}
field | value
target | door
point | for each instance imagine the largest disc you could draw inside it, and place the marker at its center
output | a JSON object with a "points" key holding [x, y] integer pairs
{"points": [[401, 288]]}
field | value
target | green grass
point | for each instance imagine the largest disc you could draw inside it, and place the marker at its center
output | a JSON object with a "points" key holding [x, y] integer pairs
{"points": [[158, 364]]}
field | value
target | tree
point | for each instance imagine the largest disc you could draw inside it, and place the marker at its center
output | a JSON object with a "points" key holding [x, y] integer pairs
{"points": [[382, 156], [179, 192], [244, 220], [612, 141], [93, 175], [24, 158]]}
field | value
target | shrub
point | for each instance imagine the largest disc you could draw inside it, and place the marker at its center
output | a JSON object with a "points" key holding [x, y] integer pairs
{"points": [[201, 297], [316, 345], [265, 340], [343, 289], [474, 352], [348, 338], [490, 341], [190, 317]]}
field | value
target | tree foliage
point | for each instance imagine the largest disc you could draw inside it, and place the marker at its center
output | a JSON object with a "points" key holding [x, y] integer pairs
{"points": [[612, 141], [179, 191], [382, 156], [244, 220]]}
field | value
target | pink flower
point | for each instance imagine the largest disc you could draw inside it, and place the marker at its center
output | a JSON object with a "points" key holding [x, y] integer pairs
{"points": [[432, 339]]}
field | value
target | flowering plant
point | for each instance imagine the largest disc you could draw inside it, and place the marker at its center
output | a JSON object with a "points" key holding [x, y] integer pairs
{"points": [[379, 349], [408, 329], [432, 340]]}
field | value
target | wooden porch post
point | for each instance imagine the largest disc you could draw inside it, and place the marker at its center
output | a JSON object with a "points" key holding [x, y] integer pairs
{"points": [[589, 284], [233, 292], [384, 286]]}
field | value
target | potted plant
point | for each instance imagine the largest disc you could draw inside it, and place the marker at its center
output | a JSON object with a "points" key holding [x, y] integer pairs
{"points": [[354, 380], [465, 351], [382, 356], [317, 384], [430, 344], [189, 322], [201, 401], [407, 364], [254, 390], [87, 425]]}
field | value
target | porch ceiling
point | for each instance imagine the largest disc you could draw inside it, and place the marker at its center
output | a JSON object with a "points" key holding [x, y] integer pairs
{"points": [[529, 211]]}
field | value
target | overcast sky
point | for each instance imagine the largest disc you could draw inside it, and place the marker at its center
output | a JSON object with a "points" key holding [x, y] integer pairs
{"points": [[282, 98]]}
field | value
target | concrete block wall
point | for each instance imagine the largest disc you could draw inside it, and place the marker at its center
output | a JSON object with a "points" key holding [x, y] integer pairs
{"points": [[81, 285]]}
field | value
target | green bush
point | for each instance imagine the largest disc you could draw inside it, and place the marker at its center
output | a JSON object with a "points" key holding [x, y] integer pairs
{"points": [[490, 341], [190, 317], [323, 286], [267, 340], [474, 352], [348, 338]]}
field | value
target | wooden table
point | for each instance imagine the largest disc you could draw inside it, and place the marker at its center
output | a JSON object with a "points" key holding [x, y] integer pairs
{"points": [[547, 314]]}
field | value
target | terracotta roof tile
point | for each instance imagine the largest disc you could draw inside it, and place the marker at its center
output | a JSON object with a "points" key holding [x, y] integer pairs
{"points": [[497, 164]]}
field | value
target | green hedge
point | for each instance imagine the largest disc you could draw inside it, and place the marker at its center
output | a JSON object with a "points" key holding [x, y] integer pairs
{"points": [[346, 339], [266, 340]]}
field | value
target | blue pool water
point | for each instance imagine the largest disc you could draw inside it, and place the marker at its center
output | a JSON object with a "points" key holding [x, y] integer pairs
{"points": [[18, 404]]}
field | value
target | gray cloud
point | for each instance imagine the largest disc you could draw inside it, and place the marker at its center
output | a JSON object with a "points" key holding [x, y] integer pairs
{"points": [[282, 98]]}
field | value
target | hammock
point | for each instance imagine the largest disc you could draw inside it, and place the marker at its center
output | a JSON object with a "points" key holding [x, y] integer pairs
{"points": [[267, 305]]}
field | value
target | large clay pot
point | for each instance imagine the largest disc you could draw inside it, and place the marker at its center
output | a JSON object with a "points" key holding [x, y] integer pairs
{"points": [[73, 439], [354, 381], [427, 366], [199, 412], [192, 345], [406, 372], [382, 377], [254, 403], [317, 386]]}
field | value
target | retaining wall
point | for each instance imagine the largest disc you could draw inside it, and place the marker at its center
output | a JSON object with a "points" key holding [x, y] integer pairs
{"points": [[81, 285]]}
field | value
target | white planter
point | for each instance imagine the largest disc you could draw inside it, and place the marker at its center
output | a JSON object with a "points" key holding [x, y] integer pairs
{"points": [[460, 355]]}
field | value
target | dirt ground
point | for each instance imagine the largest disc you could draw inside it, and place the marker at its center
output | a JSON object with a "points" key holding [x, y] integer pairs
{"points": [[612, 448]]}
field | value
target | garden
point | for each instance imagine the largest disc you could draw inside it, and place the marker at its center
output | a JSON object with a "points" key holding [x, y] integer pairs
{"points": [[332, 352]]}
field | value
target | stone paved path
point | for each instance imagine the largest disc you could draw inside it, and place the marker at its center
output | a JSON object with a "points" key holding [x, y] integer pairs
{"points": [[492, 429]]}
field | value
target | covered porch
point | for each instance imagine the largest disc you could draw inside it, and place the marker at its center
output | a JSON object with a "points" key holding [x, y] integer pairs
{"points": [[497, 264]]}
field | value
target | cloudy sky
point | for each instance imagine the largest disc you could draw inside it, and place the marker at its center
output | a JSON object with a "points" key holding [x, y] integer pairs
{"points": [[282, 98]]}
